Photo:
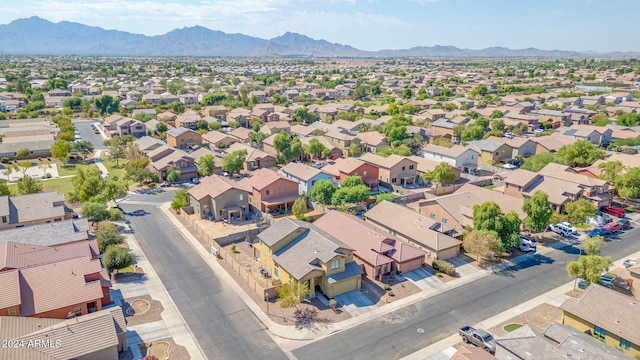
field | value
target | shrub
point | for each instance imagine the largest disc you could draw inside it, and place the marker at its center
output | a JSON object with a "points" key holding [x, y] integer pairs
{"points": [[233, 248], [440, 275], [387, 287], [443, 266], [115, 214], [390, 293], [48, 176], [332, 304], [4, 160]]}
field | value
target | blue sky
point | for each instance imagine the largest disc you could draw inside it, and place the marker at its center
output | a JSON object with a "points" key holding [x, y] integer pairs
{"points": [[582, 25]]}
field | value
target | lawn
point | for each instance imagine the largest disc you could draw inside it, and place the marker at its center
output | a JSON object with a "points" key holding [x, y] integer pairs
{"points": [[113, 170], [489, 187], [582, 226], [70, 169], [62, 186], [127, 270], [511, 327]]}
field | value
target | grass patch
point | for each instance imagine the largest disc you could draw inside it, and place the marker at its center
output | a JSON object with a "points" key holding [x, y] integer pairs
{"points": [[511, 327], [489, 187], [582, 226], [62, 186], [127, 270], [113, 170]]}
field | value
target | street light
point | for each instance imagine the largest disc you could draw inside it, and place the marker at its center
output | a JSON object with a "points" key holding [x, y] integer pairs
{"points": [[266, 297]]}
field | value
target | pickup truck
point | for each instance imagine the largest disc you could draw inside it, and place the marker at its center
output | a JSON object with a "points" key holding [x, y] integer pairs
{"points": [[479, 338]]}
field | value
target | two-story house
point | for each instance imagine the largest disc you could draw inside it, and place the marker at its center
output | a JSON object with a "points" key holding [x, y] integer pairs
{"points": [[394, 169], [458, 156], [183, 138], [305, 175], [372, 141], [188, 120], [218, 140], [270, 191], [342, 168], [255, 159], [342, 139], [40, 208], [217, 197], [298, 252], [492, 152], [165, 159]]}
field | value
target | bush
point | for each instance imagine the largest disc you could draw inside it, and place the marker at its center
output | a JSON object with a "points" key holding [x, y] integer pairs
{"points": [[440, 275], [390, 293], [4, 160], [443, 266], [115, 214], [332, 304], [48, 176], [233, 248], [387, 287]]}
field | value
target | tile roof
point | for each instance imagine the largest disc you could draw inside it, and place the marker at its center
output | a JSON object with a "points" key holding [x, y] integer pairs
{"points": [[383, 162], [32, 207], [373, 138], [300, 171], [411, 224], [213, 186], [561, 172], [344, 165], [452, 152], [54, 233], [10, 285], [261, 178], [57, 285], [620, 317]]}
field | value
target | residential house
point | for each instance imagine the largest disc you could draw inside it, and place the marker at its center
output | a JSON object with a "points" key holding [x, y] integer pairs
{"points": [[378, 252], [597, 135], [217, 197], [460, 157], [275, 127], [153, 99], [394, 169], [32, 209], [305, 175], [188, 120], [444, 125], [255, 159], [594, 189], [270, 191], [219, 140], [121, 125], [558, 342], [326, 113], [456, 210], [298, 252], [616, 324], [242, 134], [520, 146], [203, 151], [342, 139], [183, 138], [168, 98], [466, 352], [167, 116], [424, 166], [556, 118], [335, 151], [152, 126], [345, 167], [165, 159], [618, 97], [432, 115], [239, 115], [414, 228], [550, 144], [351, 126], [523, 183], [147, 144], [593, 100], [629, 160], [188, 99], [372, 141], [99, 335], [492, 152], [216, 111]]}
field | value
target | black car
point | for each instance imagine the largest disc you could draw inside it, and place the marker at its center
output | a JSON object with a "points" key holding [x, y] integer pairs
{"points": [[624, 224]]}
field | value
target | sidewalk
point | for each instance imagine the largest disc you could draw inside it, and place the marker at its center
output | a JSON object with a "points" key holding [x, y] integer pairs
{"points": [[172, 324], [290, 332], [443, 348]]}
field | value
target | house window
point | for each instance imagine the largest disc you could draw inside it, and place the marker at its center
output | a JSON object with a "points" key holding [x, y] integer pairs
{"points": [[393, 181], [275, 271], [600, 332], [240, 197], [432, 216], [269, 192], [364, 174], [444, 221], [335, 264], [624, 344], [77, 310], [410, 167], [4, 219], [403, 168], [473, 157], [12, 312]]}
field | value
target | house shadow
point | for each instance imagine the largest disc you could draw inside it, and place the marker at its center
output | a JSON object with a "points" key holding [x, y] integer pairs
{"points": [[138, 277], [151, 191], [371, 290], [133, 350]]}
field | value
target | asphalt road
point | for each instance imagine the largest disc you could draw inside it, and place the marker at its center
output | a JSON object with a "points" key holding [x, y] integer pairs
{"points": [[86, 133], [222, 324], [412, 328]]}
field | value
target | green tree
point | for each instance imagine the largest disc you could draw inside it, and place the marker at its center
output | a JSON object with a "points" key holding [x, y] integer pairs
{"points": [[84, 147], [27, 185], [471, 133], [234, 161], [600, 120], [94, 211], [385, 197], [314, 147], [498, 125], [117, 147], [177, 107], [23, 153], [396, 130], [137, 169], [322, 191], [206, 165], [299, 208], [4, 189], [258, 137], [60, 150], [594, 245], [581, 153], [108, 235], [88, 183], [538, 210], [482, 243], [628, 184], [73, 102], [350, 195], [610, 170], [442, 174], [488, 217], [351, 181], [114, 187], [589, 268], [628, 119], [106, 104], [161, 128], [180, 200], [212, 99], [302, 115], [255, 124], [287, 147], [201, 125], [580, 209], [354, 150], [116, 257], [538, 161], [143, 117], [174, 176], [496, 114], [290, 294]]}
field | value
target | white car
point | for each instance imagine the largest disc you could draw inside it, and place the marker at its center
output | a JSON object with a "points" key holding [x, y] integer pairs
{"points": [[629, 263]]}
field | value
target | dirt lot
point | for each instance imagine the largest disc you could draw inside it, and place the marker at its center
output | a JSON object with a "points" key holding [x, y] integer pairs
{"points": [[538, 319], [374, 290], [175, 351], [153, 314]]}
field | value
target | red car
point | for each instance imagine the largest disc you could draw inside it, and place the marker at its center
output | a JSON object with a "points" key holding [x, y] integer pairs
{"points": [[615, 211]]}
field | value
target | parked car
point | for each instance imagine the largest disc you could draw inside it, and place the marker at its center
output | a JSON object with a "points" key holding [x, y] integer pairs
{"points": [[624, 224], [613, 210], [608, 229], [595, 220], [478, 337], [628, 263], [607, 281], [319, 165], [597, 232], [562, 228], [195, 180], [530, 242], [164, 184]]}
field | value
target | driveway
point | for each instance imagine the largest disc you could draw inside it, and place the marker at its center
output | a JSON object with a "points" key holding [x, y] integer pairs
{"points": [[463, 268], [422, 278], [355, 302]]}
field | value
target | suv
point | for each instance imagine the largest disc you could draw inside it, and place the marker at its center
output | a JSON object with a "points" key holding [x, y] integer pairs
{"points": [[612, 210], [624, 224]]}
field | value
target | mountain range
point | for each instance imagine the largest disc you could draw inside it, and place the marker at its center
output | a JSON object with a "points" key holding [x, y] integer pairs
{"points": [[37, 36]]}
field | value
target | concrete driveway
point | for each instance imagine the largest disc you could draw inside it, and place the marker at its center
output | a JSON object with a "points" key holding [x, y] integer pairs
{"points": [[463, 268], [422, 278], [355, 302]]}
